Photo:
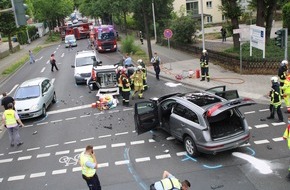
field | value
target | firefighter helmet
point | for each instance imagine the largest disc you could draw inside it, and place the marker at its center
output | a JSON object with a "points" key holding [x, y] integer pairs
{"points": [[139, 61], [139, 67], [119, 68], [274, 79], [204, 51], [123, 71], [284, 62]]}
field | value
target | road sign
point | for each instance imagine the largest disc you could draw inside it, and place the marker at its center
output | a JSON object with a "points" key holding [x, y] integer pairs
{"points": [[167, 33]]}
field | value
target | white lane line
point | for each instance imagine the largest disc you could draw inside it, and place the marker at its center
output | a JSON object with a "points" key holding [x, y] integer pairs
{"points": [[114, 111], [82, 116], [16, 152], [247, 144], [101, 113], [151, 140], [170, 138], [76, 169], [261, 141], [1, 179], [54, 52], [262, 110], [40, 174], [62, 55], [30, 149], [70, 118], [123, 133], [79, 150], [2, 154], [102, 165], [104, 136], [28, 125], [142, 159], [44, 123], [69, 109], [43, 155], [278, 139], [122, 162], [14, 87], [100, 147], [55, 121], [249, 112], [52, 145], [88, 139], [137, 142], [6, 160], [24, 158], [250, 127], [261, 126], [42, 70], [14, 178], [70, 142], [279, 123], [118, 145], [162, 156], [56, 172], [52, 80], [40, 58], [47, 62], [181, 153], [62, 152]]}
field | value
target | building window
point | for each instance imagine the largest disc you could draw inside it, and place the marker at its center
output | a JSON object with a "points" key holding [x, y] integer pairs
{"points": [[209, 19], [192, 8], [209, 4], [223, 17]]}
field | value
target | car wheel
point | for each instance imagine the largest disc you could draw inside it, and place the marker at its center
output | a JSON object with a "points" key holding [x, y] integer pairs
{"points": [[43, 111], [77, 82], [54, 98], [190, 147]]}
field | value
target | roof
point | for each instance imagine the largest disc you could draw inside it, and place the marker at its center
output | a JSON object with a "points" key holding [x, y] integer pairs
{"points": [[85, 53], [104, 67], [33, 82]]}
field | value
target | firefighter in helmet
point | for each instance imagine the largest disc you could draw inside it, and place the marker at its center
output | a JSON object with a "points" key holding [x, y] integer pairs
{"points": [[137, 78], [144, 70], [204, 66], [275, 96], [118, 76], [126, 87], [282, 72]]}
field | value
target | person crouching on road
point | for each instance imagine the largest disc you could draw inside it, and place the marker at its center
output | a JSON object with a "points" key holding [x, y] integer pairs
{"points": [[204, 66], [137, 78], [126, 87], [89, 166], [11, 122], [169, 181], [275, 95]]}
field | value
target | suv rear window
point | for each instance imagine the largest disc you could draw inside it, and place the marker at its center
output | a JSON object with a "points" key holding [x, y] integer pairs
{"points": [[201, 99], [83, 61]]}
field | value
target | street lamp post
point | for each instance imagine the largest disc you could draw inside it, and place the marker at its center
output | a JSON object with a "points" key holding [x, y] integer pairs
{"points": [[154, 25], [202, 25]]}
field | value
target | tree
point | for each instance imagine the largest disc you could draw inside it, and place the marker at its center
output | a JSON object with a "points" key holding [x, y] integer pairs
{"points": [[286, 15]]}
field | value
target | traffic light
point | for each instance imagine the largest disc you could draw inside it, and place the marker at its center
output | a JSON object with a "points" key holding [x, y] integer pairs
{"points": [[19, 9], [280, 39]]}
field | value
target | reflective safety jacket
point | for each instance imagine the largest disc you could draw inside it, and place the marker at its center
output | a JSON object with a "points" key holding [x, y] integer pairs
{"points": [[282, 73], [275, 95], [286, 87], [87, 171], [286, 135], [170, 183], [10, 118], [204, 61], [138, 78], [126, 86]]}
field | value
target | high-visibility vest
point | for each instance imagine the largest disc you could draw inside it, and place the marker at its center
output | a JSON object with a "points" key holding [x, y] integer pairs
{"points": [[126, 87], [137, 78], [286, 135], [170, 183], [10, 117], [88, 172]]}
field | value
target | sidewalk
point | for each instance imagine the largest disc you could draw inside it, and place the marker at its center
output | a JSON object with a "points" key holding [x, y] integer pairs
{"points": [[175, 62]]}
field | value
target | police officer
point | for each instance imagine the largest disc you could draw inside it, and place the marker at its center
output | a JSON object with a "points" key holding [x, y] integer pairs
{"points": [[282, 72], [137, 78], [204, 66], [89, 166], [286, 136], [155, 60], [275, 95], [126, 87]]}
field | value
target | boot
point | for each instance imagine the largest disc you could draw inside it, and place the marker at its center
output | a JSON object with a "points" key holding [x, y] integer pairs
{"points": [[270, 117], [208, 80], [202, 79]]}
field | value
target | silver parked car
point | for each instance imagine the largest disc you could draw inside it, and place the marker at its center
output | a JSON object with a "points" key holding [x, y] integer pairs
{"points": [[205, 121], [33, 97]]}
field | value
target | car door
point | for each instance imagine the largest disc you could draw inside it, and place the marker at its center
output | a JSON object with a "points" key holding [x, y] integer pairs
{"points": [[45, 92], [145, 116], [216, 89], [222, 92]]}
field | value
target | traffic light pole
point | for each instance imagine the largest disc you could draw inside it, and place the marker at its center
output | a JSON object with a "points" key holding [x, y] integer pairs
{"points": [[286, 44]]}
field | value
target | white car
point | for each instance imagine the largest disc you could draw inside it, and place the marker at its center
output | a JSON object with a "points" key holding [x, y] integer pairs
{"points": [[84, 62], [33, 97]]}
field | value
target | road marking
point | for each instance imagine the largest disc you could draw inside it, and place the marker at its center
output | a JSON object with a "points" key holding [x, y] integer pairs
{"points": [[151, 140], [122, 162], [137, 142], [79, 150], [181, 153], [104, 136], [87, 139], [99, 113], [247, 144], [82, 116], [43, 155], [114, 111], [62, 55], [62, 152], [263, 110], [55, 121], [100, 147], [123, 133], [15, 152], [52, 145], [69, 109], [70, 118], [162, 156], [6, 160], [14, 178], [118, 145], [40, 174], [54, 52], [76, 169], [24, 158], [40, 58], [279, 123], [1, 179], [30, 149], [44, 123], [127, 109], [250, 128], [278, 139], [56, 172], [102, 165], [261, 141], [52, 80], [170, 138], [261, 126], [47, 62], [28, 125], [1, 154], [145, 159], [42, 70], [70, 142], [249, 112], [14, 87]]}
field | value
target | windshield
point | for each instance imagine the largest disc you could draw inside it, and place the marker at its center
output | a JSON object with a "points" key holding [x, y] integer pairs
{"points": [[83, 61], [69, 38], [27, 92], [106, 36]]}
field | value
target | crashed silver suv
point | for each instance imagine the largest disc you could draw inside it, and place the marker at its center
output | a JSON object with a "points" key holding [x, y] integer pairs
{"points": [[205, 121]]}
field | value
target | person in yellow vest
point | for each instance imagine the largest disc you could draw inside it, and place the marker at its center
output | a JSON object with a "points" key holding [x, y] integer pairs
{"points": [[144, 70], [168, 182], [286, 93], [137, 78], [126, 87], [286, 136], [89, 166], [12, 122]]}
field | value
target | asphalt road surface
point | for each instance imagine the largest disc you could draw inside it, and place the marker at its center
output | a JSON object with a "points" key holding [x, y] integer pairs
{"points": [[48, 157]]}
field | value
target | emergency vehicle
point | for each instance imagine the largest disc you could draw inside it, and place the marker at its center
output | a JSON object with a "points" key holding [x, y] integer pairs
{"points": [[81, 30], [104, 38]]}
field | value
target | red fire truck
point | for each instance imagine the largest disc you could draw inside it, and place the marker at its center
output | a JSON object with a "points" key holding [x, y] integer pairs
{"points": [[81, 30], [104, 38]]}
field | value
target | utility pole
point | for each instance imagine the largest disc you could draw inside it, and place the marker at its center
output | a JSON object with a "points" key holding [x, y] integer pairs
{"points": [[154, 25], [202, 25]]}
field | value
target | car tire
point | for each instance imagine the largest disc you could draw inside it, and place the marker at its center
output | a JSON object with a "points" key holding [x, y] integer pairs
{"points": [[43, 111], [54, 98], [190, 147], [77, 82]]}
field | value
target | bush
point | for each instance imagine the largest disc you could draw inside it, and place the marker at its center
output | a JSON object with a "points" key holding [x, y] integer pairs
{"points": [[128, 45]]}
